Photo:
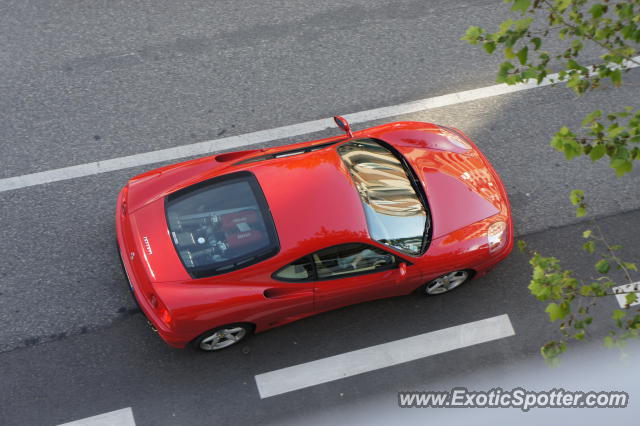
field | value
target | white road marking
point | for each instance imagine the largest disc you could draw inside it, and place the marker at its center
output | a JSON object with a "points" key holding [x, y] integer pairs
{"points": [[122, 417], [380, 356], [263, 136], [622, 298]]}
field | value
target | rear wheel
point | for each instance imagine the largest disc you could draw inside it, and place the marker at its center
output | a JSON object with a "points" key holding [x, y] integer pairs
{"points": [[222, 337], [446, 282]]}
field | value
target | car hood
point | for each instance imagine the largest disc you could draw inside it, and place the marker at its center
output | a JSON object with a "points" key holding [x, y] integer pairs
{"points": [[461, 186], [457, 200]]}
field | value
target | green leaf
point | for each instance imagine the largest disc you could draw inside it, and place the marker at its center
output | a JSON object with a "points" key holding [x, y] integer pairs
{"points": [[597, 152], [503, 72], [572, 149], [586, 234], [472, 35], [539, 291], [616, 77], [521, 6], [552, 350], [597, 10], [621, 166], [631, 298], [530, 73], [563, 4], [536, 43], [558, 143], [489, 46], [586, 290], [608, 341], [618, 314], [522, 55], [625, 11], [628, 31], [576, 196], [538, 273], [522, 24], [596, 127], [614, 130], [630, 266], [591, 117], [504, 26], [589, 247], [603, 266], [556, 311], [580, 211], [574, 65], [508, 53], [564, 131], [522, 246], [577, 46]]}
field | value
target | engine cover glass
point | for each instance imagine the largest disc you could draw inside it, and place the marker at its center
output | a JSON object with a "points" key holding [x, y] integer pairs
{"points": [[221, 225]]}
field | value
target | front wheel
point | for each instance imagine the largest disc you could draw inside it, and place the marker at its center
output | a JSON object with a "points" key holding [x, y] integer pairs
{"points": [[222, 337], [446, 282]]}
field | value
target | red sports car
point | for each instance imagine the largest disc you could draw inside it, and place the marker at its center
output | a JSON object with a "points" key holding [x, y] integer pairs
{"points": [[222, 246]]}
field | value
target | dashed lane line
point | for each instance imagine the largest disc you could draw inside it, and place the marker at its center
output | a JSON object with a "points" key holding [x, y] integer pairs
{"points": [[123, 417], [381, 356]]}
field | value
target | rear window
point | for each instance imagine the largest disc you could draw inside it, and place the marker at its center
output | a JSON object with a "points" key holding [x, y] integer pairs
{"points": [[221, 225]]}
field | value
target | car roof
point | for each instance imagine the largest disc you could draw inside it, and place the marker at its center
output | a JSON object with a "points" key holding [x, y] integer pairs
{"points": [[312, 200]]}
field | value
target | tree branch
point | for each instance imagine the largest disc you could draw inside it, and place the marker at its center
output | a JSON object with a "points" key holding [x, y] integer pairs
{"points": [[612, 253], [608, 48]]}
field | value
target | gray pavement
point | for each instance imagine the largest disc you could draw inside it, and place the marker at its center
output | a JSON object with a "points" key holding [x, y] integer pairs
{"points": [[126, 365], [86, 82], [60, 276]]}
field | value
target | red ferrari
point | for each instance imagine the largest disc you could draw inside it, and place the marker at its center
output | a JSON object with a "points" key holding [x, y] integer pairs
{"points": [[222, 246]]}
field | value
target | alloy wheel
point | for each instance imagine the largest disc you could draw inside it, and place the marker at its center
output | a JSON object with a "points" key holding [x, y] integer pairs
{"points": [[223, 338], [446, 282]]}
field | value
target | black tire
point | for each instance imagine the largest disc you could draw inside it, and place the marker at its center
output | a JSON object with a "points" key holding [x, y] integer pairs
{"points": [[446, 282], [206, 341]]}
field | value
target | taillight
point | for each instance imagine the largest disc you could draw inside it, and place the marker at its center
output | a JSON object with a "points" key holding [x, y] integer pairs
{"points": [[165, 316], [163, 312], [123, 205]]}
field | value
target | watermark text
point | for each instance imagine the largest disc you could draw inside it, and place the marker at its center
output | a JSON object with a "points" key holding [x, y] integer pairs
{"points": [[514, 398]]}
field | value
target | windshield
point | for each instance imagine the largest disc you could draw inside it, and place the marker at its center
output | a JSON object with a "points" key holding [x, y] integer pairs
{"points": [[221, 225], [395, 213]]}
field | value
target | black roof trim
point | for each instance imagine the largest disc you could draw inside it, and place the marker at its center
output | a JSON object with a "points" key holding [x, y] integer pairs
{"points": [[286, 153]]}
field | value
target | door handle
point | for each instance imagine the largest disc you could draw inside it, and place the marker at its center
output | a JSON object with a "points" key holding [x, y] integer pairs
{"points": [[289, 293]]}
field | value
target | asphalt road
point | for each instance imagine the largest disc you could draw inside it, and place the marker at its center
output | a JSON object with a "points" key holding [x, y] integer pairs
{"points": [[83, 82], [126, 365]]}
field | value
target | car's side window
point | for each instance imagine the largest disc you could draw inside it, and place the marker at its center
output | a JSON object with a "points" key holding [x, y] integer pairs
{"points": [[351, 259], [300, 270]]}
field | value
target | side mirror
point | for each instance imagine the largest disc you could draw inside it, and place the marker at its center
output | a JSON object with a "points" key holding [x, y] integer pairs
{"points": [[343, 124], [402, 270]]}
